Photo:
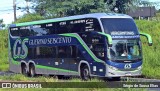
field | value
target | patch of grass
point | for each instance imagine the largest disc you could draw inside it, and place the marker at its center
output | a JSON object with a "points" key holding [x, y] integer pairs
{"points": [[4, 50], [77, 89], [151, 64], [19, 77]]}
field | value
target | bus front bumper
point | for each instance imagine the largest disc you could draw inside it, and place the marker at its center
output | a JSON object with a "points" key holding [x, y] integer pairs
{"points": [[115, 72]]}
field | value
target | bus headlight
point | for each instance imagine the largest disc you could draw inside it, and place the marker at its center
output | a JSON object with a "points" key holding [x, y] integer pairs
{"points": [[139, 68], [113, 68]]}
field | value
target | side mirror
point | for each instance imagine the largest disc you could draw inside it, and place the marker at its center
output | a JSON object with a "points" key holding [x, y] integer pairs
{"points": [[149, 38], [109, 38]]}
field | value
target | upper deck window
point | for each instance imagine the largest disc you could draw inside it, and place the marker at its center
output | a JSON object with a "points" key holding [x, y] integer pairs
{"points": [[69, 26], [119, 26], [14, 31]]}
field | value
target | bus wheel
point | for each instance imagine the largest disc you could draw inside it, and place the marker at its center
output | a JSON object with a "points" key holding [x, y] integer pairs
{"points": [[24, 70], [32, 72], [85, 73]]}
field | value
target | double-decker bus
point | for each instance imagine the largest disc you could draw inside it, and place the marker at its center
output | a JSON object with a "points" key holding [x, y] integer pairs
{"points": [[98, 44]]}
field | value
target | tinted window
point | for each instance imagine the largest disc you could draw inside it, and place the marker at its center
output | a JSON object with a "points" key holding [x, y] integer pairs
{"points": [[50, 27], [14, 31], [42, 52], [25, 31], [61, 27], [115, 26], [32, 53], [62, 52], [77, 25], [92, 25], [99, 50], [70, 26], [39, 30]]}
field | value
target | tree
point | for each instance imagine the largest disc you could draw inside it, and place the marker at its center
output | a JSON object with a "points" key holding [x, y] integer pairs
{"points": [[29, 17], [2, 25], [60, 8], [122, 6]]}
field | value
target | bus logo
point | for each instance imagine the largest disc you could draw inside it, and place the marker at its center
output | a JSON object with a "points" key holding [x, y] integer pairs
{"points": [[127, 66], [20, 49]]}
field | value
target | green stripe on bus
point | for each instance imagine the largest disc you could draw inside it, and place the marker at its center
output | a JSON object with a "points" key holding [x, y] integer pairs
{"points": [[83, 44], [15, 62], [108, 37], [43, 21], [52, 68], [45, 67]]}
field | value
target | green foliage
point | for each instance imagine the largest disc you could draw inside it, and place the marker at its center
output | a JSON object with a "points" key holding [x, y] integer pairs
{"points": [[121, 6], [2, 25], [150, 53], [22, 78], [61, 8], [4, 50], [28, 18]]}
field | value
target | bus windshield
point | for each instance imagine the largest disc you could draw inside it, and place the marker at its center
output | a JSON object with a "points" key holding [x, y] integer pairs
{"points": [[112, 25], [125, 50]]}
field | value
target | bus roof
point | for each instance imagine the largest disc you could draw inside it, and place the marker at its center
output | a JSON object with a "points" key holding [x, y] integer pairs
{"points": [[92, 15]]}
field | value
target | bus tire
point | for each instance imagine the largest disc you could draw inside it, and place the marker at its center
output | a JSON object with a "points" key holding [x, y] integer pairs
{"points": [[24, 70], [32, 72], [85, 74]]}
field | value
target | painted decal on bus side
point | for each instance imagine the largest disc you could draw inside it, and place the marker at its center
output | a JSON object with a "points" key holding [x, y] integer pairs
{"points": [[59, 40], [22, 50]]}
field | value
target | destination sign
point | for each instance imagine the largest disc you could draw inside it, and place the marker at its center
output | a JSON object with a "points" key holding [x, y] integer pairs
{"points": [[122, 33], [117, 37]]}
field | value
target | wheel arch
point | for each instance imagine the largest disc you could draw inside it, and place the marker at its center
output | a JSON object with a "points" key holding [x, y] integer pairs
{"points": [[83, 62], [23, 63]]}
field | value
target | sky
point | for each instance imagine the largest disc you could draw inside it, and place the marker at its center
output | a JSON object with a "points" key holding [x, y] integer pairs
{"points": [[6, 9]]}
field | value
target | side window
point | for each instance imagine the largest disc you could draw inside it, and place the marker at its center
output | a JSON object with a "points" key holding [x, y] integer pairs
{"points": [[39, 30], [99, 51], [62, 52], [92, 24], [69, 52], [77, 25], [97, 46], [61, 27], [79, 54], [14, 31], [86, 37], [51, 28], [31, 53], [96, 25], [72, 51], [45, 52], [24, 32]]}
